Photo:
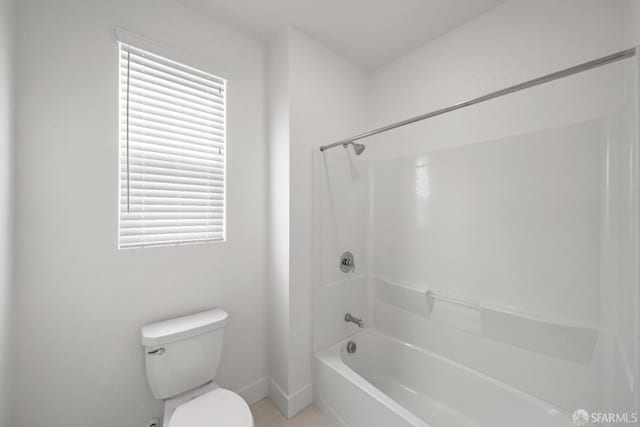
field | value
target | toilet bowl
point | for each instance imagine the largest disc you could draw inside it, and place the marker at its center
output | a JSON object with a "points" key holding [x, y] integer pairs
{"points": [[217, 407], [181, 360]]}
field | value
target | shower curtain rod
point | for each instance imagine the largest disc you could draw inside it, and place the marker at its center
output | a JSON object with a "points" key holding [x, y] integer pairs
{"points": [[511, 89]]}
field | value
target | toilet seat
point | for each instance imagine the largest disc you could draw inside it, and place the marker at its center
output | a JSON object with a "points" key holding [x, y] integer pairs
{"points": [[218, 407]]}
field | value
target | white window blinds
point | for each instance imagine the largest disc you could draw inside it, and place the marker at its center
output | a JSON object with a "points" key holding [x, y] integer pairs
{"points": [[172, 152]]}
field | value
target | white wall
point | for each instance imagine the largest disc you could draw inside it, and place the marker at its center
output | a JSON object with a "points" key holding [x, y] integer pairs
{"points": [[6, 207], [81, 302], [631, 25], [512, 43], [328, 101], [315, 96], [279, 178]]}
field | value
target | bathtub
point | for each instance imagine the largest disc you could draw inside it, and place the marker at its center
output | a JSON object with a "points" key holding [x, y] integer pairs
{"points": [[389, 383]]}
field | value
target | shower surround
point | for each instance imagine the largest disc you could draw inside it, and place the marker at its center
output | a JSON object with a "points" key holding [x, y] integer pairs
{"points": [[506, 256]]}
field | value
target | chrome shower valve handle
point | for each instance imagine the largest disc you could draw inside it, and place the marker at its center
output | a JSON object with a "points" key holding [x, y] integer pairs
{"points": [[347, 262]]}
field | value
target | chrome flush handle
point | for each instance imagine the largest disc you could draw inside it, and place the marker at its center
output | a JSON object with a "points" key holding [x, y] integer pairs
{"points": [[157, 352]]}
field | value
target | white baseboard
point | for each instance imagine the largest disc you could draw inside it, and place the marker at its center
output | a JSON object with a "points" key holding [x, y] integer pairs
{"points": [[255, 391], [289, 405], [300, 400], [278, 397], [328, 410]]}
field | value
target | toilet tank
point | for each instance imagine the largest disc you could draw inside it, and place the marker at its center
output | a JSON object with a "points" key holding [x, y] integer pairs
{"points": [[182, 354]]}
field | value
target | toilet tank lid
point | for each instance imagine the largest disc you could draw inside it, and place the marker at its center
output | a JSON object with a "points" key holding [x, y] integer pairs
{"points": [[184, 327]]}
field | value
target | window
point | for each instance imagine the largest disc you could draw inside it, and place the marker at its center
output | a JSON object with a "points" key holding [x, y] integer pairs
{"points": [[172, 152]]}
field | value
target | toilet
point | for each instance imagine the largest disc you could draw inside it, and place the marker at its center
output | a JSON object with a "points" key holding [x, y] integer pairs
{"points": [[181, 359]]}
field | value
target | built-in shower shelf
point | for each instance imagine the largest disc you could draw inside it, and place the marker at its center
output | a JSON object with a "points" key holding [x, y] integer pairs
{"points": [[556, 338]]}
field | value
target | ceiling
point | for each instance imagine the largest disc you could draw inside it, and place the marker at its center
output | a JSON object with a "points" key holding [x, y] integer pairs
{"points": [[370, 33]]}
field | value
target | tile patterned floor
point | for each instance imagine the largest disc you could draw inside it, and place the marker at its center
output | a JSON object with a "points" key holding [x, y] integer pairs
{"points": [[265, 414]]}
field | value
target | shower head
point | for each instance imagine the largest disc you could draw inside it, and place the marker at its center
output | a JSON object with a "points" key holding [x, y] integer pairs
{"points": [[357, 148]]}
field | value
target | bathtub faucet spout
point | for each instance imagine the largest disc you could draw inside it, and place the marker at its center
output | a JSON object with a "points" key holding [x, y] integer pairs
{"points": [[349, 318]]}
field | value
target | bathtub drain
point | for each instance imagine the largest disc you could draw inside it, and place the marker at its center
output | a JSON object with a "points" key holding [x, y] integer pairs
{"points": [[351, 347]]}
